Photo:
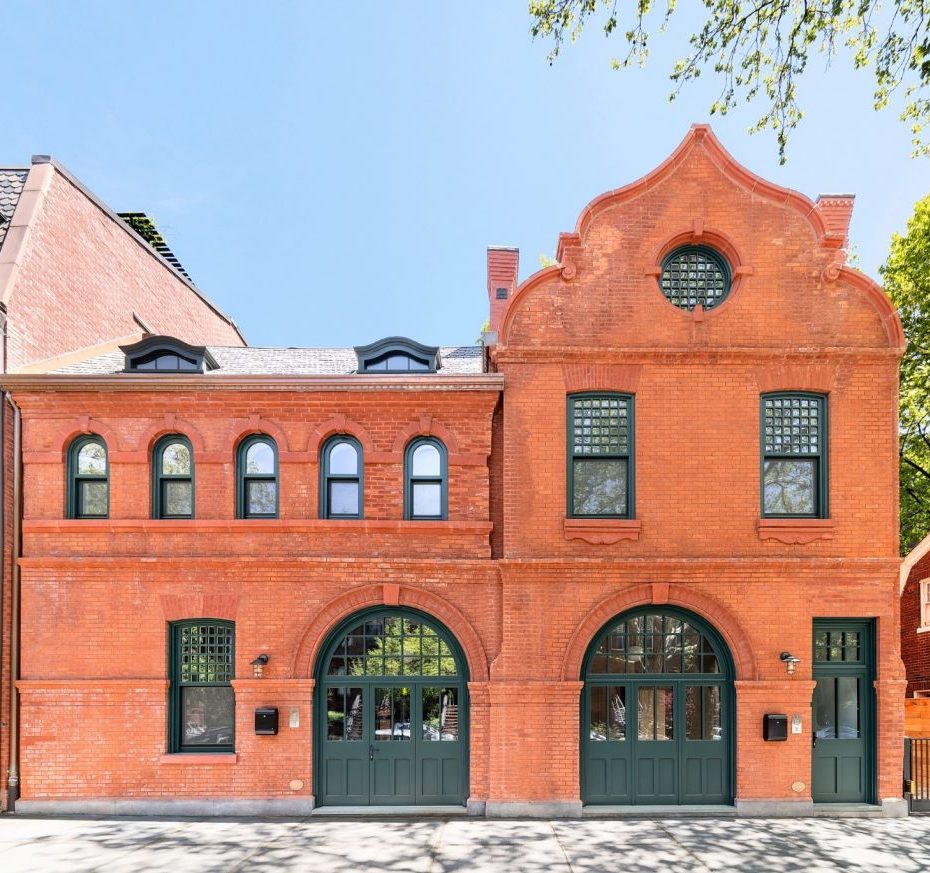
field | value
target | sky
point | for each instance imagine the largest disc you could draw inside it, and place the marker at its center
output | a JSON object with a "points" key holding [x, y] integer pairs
{"points": [[332, 173]]}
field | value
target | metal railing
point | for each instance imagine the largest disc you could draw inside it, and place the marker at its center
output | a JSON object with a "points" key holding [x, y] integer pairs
{"points": [[917, 773]]}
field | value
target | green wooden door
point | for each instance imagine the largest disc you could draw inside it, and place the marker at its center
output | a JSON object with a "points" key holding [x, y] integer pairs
{"points": [[842, 712], [391, 714], [656, 713]]}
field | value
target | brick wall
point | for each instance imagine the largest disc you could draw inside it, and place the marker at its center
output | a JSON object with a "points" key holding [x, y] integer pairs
{"points": [[82, 276]]}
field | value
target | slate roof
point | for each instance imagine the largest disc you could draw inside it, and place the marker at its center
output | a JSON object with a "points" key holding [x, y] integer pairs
{"points": [[233, 360], [11, 186]]}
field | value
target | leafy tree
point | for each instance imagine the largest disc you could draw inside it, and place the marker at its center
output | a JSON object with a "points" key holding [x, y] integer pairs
{"points": [[761, 48], [906, 275]]}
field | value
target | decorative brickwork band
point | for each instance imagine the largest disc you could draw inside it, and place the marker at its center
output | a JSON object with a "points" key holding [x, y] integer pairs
{"points": [[601, 377]]}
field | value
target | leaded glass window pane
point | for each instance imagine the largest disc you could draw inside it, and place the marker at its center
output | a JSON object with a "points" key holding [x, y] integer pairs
{"points": [[600, 442], [600, 426], [389, 645], [793, 448], [654, 643], [693, 276]]}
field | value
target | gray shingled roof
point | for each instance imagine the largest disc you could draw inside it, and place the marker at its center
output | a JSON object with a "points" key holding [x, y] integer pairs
{"points": [[11, 186], [233, 360]]}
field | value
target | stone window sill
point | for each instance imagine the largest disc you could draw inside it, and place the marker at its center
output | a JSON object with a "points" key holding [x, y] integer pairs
{"points": [[221, 758], [924, 629], [601, 531], [795, 531]]}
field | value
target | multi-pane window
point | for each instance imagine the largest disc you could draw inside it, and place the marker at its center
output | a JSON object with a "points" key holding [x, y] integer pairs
{"points": [[173, 482], [925, 602], [202, 667], [257, 465], [693, 275], [794, 430], [341, 479], [88, 478], [600, 462], [425, 494]]}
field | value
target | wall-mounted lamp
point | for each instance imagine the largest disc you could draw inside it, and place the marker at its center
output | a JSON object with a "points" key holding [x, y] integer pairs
{"points": [[258, 664], [791, 662]]}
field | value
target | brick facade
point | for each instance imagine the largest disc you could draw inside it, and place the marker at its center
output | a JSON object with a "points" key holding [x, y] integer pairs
{"points": [[523, 588]]}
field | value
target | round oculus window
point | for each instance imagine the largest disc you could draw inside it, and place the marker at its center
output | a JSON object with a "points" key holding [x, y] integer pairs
{"points": [[693, 275]]}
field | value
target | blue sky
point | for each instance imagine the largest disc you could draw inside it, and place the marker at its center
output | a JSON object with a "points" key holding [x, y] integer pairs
{"points": [[332, 173]]}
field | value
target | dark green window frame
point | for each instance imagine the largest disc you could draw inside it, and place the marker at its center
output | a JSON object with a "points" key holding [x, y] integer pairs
{"points": [[328, 478], [244, 478], [695, 275], [411, 481], [624, 452], [161, 480], [77, 481], [774, 448], [201, 654]]}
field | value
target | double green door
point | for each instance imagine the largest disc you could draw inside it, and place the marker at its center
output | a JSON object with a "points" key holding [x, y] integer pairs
{"points": [[389, 744], [842, 712], [656, 743], [391, 718]]}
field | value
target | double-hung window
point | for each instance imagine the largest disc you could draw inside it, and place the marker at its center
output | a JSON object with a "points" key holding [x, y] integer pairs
{"points": [[341, 479], [88, 478], [201, 670], [794, 455], [257, 486], [600, 456], [173, 478], [425, 492]]}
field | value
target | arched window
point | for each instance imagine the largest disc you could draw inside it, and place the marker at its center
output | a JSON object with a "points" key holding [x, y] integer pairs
{"points": [[173, 478], [88, 478], [425, 494], [257, 465], [341, 473]]}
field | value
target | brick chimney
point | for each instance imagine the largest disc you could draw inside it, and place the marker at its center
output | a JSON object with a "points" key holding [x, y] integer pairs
{"points": [[836, 212], [503, 265]]}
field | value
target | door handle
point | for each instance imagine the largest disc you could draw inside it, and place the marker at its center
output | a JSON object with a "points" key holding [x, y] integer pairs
{"points": [[371, 753]]}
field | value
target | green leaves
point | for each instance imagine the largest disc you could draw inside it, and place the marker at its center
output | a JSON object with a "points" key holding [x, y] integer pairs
{"points": [[906, 276], [761, 49]]}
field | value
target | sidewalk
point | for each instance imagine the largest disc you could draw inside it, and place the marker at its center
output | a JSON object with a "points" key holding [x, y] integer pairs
{"points": [[463, 845]]}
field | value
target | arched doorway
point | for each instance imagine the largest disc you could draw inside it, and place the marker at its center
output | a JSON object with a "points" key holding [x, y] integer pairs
{"points": [[657, 712], [391, 725]]}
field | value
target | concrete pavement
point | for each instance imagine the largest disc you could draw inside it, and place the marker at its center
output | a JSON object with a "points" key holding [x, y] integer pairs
{"points": [[132, 845]]}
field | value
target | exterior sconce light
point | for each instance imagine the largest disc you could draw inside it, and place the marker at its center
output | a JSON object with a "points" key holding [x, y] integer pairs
{"points": [[258, 664], [791, 662]]}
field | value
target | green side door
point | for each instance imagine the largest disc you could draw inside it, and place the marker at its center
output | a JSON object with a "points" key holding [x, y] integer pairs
{"points": [[842, 712]]}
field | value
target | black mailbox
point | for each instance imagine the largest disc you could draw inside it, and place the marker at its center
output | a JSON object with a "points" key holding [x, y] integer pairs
{"points": [[774, 727], [266, 720]]}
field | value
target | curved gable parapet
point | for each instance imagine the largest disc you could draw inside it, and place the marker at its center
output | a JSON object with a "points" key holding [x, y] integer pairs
{"points": [[701, 135], [781, 259]]}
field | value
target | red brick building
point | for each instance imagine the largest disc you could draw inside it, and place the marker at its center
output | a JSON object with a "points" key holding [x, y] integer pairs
{"points": [[638, 549]]}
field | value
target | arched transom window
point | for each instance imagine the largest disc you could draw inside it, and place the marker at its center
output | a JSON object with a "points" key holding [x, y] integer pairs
{"points": [[654, 643]]}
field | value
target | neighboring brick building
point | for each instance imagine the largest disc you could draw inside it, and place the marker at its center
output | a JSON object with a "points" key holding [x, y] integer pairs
{"points": [[915, 618], [578, 566], [76, 280]]}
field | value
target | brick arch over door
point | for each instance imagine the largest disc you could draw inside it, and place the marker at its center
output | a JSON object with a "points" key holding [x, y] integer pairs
{"points": [[389, 595], [660, 595]]}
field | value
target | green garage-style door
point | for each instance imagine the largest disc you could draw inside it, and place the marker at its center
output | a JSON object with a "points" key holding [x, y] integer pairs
{"points": [[657, 712], [843, 712], [391, 714]]}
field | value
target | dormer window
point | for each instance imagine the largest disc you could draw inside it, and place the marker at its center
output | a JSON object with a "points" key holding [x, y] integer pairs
{"points": [[396, 354], [165, 354]]}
